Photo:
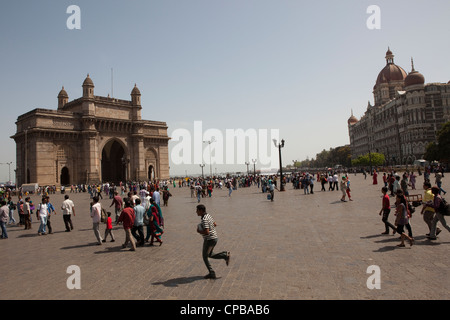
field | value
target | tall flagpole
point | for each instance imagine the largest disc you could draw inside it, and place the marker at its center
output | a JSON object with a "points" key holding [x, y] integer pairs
{"points": [[112, 83]]}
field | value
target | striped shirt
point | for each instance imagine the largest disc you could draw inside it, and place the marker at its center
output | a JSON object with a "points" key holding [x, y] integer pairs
{"points": [[208, 223]]}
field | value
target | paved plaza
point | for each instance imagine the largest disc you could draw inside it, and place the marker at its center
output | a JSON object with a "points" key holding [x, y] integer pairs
{"points": [[299, 247]]}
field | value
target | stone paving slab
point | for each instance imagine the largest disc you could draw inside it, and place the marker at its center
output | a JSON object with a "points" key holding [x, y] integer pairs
{"points": [[299, 247]]}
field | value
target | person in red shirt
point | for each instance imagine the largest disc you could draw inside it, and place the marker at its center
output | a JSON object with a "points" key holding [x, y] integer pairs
{"points": [[108, 229], [127, 218], [386, 209]]}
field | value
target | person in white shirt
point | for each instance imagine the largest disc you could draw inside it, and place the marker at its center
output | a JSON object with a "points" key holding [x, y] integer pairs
{"points": [[96, 215], [68, 208], [146, 202], [335, 182], [134, 197], [42, 214], [157, 197], [330, 182]]}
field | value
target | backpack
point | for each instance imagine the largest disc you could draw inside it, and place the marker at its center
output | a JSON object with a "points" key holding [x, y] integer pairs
{"points": [[444, 207]]}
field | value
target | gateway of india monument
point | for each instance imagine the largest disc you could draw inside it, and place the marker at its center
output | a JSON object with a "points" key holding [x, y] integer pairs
{"points": [[91, 139]]}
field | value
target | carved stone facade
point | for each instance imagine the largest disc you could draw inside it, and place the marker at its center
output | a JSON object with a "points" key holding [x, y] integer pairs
{"points": [[90, 140], [405, 118]]}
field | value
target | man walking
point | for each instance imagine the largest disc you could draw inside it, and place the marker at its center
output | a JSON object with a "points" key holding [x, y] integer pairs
{"points": [[272, 190], [127, 218], [438, 177], [68, 208], [156, 196], [50, 211], [117, 202], [198, 190], [96, 215], [138, 225], [42, 214], [210, 238], [4, 216], [439, 216], [385, 210], [27, 213]]}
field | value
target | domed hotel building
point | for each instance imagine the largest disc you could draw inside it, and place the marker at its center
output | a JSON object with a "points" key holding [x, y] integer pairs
{"points": [[405, 117]]}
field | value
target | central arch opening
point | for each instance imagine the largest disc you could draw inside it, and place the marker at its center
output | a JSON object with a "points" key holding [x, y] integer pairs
{"points": [[65, 176], [151, 173], [113, 164]]}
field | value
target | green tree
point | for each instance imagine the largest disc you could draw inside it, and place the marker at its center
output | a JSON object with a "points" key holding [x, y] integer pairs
{"points": [[444, 142], [441, 150], [431, 152], [374, 159]]}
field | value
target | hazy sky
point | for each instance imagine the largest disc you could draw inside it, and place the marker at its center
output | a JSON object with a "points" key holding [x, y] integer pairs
{"points": [[296, 66]]}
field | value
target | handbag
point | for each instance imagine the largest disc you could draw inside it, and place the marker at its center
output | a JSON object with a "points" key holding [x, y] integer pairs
{"points": [[146, 220]]}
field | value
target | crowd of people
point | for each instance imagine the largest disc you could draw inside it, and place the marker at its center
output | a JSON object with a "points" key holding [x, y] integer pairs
{"points": [[140, 209], [134, 212]]}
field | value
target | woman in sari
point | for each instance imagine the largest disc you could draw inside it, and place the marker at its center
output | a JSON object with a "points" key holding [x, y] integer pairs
{"points": [[156, 222], [375, 177]]}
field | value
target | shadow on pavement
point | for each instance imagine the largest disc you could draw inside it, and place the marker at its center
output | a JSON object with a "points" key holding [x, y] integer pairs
{"points": [[178, 281]]}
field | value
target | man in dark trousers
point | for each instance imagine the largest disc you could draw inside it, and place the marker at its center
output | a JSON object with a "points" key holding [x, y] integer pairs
{"points": [[207, 229]]}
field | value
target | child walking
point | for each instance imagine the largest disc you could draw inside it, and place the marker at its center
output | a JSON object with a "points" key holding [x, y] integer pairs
{"points": [[108, 229]]}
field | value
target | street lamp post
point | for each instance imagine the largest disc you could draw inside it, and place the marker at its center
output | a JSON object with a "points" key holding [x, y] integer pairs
{"points": [[202, 165], [9, 169], [280, 145], [125, 162], [25, 170], [254, 166], [209, 142], [247, 163]]}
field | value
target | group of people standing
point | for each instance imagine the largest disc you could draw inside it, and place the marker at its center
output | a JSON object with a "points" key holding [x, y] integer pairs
{"points": [[306, 180], [44, 211]]}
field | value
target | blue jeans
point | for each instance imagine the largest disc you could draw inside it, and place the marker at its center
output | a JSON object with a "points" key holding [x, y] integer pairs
{"points": [[43, 224], [11, 216], [439, 184], [3, 227]]}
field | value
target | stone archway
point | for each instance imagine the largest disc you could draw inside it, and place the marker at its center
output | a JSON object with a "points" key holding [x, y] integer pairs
{"points": [[114, 164]]}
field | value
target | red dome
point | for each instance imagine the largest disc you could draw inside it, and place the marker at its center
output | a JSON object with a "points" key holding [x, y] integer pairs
{"points": [[391, 72], [413, 78], [352, 120]]}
